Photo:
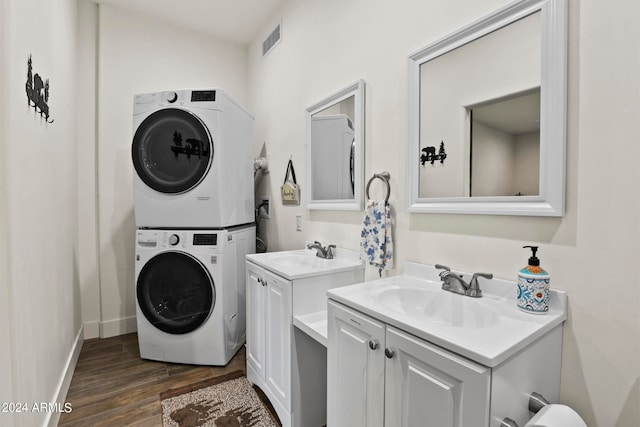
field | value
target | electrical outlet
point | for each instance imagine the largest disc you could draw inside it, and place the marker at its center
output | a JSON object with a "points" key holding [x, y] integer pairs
{"points": [[298, 222], [263, 211]]}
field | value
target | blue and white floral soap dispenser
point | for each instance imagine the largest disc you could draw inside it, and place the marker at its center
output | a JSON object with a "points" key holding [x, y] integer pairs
{"points": [[533, 286]]}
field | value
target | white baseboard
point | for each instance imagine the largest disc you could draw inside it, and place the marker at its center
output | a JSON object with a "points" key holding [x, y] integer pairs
{"points": [[112, 328], [91, 330], [65, 380]]}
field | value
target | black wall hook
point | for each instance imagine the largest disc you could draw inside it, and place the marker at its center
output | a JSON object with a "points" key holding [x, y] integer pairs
{"points": [[429, 154]]}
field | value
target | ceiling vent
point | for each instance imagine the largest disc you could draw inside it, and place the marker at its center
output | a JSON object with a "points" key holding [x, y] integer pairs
{"points": [[272, 40]]}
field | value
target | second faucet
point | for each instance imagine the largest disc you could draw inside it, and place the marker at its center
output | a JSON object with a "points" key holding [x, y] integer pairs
{"points": [[322, 252], [454, 282]]}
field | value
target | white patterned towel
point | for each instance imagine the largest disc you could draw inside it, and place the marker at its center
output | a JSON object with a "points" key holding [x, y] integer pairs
{"points": [[376, 245]]}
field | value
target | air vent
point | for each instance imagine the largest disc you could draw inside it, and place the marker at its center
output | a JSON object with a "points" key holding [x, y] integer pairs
{"points": [[272, 40]]}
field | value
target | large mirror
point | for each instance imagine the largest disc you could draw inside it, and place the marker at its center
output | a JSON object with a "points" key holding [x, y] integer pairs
{"points": [[335, 150], [487, 115]]}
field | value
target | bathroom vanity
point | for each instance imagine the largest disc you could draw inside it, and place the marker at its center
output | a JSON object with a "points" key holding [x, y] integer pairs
{"points": [[404, 352], [290, 366]]}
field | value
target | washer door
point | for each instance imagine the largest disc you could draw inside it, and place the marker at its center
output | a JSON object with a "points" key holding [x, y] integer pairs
{"points": [[175, 292], [172, 151]]}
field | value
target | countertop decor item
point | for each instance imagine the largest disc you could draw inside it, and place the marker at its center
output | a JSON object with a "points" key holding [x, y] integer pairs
{"points": [[533, 286]]}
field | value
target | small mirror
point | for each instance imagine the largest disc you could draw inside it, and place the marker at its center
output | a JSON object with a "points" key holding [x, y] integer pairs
{"points": [[335, 150], [487, 113]]}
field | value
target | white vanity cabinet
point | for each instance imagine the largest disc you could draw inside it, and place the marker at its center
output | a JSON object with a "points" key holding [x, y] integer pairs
{"points": [[379, 375], [269, 319], [288, 365], [402, 352]]}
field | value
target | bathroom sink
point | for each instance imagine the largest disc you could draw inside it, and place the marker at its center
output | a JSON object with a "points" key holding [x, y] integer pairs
{"points": [[300, 263], [303, 259], [438, 306], [489, 329], [409, 301]]}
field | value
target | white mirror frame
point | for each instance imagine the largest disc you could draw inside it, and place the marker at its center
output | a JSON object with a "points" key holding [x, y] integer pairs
{"points": [[357, 203], [550, 201]]}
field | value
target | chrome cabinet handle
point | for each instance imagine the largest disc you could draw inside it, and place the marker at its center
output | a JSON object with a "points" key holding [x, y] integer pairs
{"points": [[389, 353], [373, 344]]}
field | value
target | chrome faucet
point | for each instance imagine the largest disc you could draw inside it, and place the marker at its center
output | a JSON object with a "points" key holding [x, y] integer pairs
{"points": [[322, 252], [454, 282]]}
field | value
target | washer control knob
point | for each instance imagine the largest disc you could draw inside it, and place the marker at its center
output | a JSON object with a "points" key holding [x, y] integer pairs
{"points": [[172, 97], [174, 239]]}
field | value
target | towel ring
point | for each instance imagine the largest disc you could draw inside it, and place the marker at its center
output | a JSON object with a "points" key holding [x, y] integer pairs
{"points": [[384, 176]]}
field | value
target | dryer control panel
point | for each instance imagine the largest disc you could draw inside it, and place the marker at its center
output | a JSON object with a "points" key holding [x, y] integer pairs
{"points": [[209, 239], [203, 96]]}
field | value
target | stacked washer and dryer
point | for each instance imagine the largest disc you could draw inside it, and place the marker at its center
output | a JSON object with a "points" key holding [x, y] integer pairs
{"points": [[194, 209]]}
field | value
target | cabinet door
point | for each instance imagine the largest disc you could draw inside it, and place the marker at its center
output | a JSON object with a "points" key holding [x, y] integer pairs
{"points": [[428, 386], [355, 366], [256, 292], [279, 324]]}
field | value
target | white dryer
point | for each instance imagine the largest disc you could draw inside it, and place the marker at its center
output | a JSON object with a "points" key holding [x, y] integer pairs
{"points": [[193, 159], [190, 294]]}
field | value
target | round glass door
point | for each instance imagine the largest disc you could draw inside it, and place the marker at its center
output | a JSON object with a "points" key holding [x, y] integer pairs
{"points": [[175, 292], [172, 151]]}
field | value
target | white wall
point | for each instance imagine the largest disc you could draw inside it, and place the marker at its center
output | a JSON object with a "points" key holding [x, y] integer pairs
{"points": [[137, 55], [592, 252], [492, 161], [88, 259], [6, 393], [39, 287], [527, 161]]}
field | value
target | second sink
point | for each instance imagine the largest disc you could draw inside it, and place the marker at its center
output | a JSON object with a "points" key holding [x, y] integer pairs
{"points": [[436, 306]]}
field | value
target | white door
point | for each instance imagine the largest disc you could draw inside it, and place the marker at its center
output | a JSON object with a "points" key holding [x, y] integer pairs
{"points": [[256, 291], [278, 326], [355, 359], [428, 386]]}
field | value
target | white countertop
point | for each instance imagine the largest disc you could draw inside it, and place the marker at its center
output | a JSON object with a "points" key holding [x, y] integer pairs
{"points": [[507, 331], [303, 263], [314, 325]]}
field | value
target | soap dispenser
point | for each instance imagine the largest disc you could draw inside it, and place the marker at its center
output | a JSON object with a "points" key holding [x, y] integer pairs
{"points": [[533, 286]]}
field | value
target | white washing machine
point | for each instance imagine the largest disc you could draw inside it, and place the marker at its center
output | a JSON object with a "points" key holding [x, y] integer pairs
{"points": [[193, 158], [190, 293]]}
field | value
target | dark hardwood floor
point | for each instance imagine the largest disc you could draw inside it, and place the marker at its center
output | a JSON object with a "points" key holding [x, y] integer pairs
{"points": [[112, 386]]}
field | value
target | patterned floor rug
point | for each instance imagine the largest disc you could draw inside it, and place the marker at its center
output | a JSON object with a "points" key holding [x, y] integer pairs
{"points": [[225, 401]]}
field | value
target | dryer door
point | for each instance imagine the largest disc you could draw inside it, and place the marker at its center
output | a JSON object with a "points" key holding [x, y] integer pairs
{"points": [[175, 292], [172, 150]]}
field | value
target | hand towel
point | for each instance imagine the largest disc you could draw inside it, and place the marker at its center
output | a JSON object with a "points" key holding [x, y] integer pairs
{"points": [[376, 245]]}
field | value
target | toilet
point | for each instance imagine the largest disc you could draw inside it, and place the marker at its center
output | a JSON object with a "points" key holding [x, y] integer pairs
{"points": [[548, 415], [556, 416]]}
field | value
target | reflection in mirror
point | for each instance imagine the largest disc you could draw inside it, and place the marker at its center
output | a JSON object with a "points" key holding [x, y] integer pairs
{"points": [[332, 151], [335, 150], [505, 146], [490, 67], [470, 93]]}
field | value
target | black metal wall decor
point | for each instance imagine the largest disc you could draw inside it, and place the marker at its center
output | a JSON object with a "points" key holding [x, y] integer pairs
{"points": [[429, 154], [37, 92]]}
